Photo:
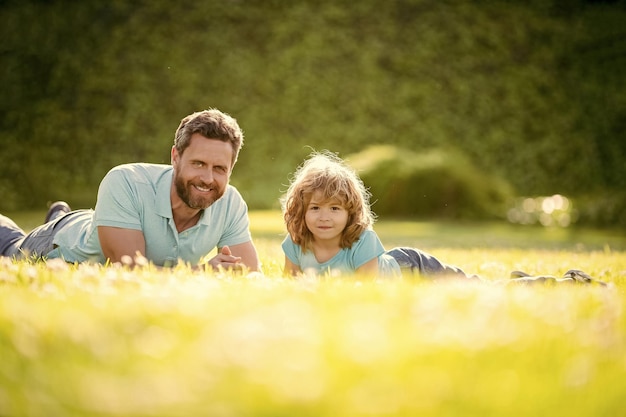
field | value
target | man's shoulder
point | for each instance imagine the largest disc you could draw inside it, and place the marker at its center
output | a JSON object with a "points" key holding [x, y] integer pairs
{"points": [[231, 207], [229, 200], [232, 192], [141, 169], [231, 203], [138, 173]]}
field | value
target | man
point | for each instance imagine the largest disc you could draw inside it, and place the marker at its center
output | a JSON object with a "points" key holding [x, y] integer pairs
{"points": [[164, 213]]}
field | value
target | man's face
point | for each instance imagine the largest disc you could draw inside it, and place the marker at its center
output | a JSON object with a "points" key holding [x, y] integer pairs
{"points": [[202, 172]]}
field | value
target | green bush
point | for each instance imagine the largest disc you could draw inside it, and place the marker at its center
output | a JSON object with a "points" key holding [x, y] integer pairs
{"points": [[434, 183]]}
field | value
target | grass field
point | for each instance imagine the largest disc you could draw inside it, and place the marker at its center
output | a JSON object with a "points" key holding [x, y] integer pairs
{"points": [[93, 341]]}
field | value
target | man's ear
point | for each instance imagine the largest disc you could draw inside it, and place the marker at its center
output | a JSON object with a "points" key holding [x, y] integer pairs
{"points": [[174, 156]]}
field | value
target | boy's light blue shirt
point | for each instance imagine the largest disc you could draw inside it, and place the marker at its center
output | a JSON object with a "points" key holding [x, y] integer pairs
{"points": [[347, 260], [137, 196]]}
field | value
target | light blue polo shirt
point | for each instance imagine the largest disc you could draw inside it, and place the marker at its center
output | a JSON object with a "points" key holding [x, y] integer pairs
{"points": [[347, 260], [137, 196]]}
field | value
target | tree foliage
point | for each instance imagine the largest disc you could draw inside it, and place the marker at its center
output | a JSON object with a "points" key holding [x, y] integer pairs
{"points": [[531, 91]]}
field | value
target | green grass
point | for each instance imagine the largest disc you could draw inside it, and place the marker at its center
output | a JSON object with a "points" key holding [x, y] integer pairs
{"points": [[93, 341]]}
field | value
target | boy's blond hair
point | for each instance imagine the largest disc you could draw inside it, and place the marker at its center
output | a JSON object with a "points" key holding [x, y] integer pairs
{"points": [[335, 180]]}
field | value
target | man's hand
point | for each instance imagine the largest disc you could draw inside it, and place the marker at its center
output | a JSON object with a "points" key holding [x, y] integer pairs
{"points": [[225, 259]]}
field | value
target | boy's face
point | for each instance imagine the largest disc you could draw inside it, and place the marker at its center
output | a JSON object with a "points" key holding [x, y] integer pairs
{"points": [[326, 220]]}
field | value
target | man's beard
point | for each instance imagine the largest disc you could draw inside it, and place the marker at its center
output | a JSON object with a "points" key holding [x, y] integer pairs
{"points": [[185, 192]]}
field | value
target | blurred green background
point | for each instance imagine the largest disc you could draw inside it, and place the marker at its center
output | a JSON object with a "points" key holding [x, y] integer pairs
{"points": [[529, 93]]}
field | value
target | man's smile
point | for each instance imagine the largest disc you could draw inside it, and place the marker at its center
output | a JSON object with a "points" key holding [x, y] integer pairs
{"points": [[203, 189]]}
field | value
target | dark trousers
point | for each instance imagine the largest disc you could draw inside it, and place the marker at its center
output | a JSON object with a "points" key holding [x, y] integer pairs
{"points": [[14, 242], [414, 261]]}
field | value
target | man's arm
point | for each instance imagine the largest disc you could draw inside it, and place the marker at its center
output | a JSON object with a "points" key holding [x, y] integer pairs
{"points": [[247, 253], [117, 242], [236, 256]]}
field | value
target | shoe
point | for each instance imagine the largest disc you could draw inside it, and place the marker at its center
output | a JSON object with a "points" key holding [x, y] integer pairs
{"points": [[522, 277], [571, 276], [56, 210], [582, 277]]}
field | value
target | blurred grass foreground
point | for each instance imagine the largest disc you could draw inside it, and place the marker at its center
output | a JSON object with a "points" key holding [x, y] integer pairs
{"points": [[88, 341], [93, 341]]}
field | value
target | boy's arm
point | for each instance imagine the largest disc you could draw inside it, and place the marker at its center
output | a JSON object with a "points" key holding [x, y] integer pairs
{"points": [[369, 268], [291, 268]]}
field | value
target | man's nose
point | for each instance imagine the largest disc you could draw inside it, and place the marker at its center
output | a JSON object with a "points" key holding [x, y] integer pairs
{"points": [[207, 176]]}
